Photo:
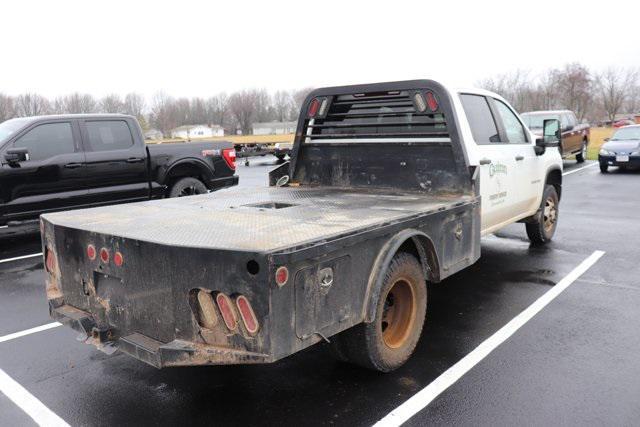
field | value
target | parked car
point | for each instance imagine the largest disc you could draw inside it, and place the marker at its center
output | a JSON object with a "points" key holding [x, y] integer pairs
{"points": [[575, 136], [623, 122], [53, 163], [622, 149], [390, 185]]}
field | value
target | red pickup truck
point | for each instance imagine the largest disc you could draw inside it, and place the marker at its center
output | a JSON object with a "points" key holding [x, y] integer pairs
{"points": [[575, 136]]}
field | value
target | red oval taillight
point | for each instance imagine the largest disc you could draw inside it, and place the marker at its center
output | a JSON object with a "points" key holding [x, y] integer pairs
{"points": [[118, 259], [248, 316], [91, 252], [104, 255], [282, 275], [228, 315], [313, 108], [432, 102]]}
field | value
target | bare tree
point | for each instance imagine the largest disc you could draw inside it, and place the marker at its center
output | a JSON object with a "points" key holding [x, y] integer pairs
{"points": [[198, 113], [111, 104], [218, 109], [613, 85], [7, 108], [573, 84], [633, 99], [282, 104], [77, 103], [31, 104], [298, 97], [163, 113], [515, 87], [134, 105], [264, 111], [243, 108]]}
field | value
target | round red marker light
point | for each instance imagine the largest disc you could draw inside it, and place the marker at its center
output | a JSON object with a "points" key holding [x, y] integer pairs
{"points": [[118, 260], [282, 275], [104, 255], [91, 252]]}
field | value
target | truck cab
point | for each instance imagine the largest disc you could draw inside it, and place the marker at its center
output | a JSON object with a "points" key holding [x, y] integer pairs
{"points": [[513, 171]]}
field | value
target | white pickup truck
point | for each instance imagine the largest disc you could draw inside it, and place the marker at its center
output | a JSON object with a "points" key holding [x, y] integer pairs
{"points": [[390, 185], [520, 180]]}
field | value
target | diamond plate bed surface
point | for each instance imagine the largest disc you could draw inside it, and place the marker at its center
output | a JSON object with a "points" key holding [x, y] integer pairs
{"points": [[247, 220]]}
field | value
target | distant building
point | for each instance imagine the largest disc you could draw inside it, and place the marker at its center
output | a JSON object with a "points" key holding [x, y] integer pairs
{"points": [[274, 128], [197, 131], [153, 134]]}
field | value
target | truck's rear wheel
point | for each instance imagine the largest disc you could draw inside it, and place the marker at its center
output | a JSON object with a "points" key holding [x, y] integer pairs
{"points": [[542, 229], [387, 343], [187, 187]]}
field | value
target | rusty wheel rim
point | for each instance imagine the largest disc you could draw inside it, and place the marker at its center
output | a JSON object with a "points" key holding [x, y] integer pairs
{"points": [[399, 313], [550, 214]]}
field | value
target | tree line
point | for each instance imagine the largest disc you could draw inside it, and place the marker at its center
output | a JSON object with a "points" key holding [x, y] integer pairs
{"points": [[593, 96], [234, 112]]}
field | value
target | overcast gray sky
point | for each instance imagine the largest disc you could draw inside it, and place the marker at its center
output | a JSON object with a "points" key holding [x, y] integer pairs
{"points": [[192, 48]]}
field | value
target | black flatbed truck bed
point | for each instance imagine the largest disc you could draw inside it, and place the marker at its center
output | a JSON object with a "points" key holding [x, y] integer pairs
{"points": [[335, 224]]}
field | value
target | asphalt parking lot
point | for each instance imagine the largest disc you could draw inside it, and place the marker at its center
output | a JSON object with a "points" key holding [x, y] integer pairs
{"points": [[575, 362]]}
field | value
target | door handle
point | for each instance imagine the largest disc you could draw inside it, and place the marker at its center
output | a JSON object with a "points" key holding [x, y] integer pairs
{"points": [[485, 161], [518, 158], [73, 165], [134, 160]]}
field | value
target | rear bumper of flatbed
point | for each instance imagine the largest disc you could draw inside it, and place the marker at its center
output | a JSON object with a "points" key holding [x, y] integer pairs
{"points": [[149, 350]]}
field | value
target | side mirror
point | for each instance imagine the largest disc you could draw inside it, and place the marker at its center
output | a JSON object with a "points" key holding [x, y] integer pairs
{"points": [[607, 139], [551, 134], [16, 155]]}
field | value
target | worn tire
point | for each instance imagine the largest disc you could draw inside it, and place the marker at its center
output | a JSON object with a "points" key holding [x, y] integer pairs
{"points": [[187, 187], [604, 168], [582, 156], [387, 343], [542, 229]]}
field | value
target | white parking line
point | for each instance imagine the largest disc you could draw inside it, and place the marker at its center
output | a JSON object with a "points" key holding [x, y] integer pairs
{"points": [[20, 257], [425, 396], [579, 169], [28, 403], [15, 335]]}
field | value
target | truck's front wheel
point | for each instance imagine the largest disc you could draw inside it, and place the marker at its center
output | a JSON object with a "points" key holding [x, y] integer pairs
{"points": [[387, 343], [187, 187], [543, 227]]}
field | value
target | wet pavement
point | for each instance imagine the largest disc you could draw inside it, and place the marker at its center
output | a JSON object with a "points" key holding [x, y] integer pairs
{"points": [[576, 362]]}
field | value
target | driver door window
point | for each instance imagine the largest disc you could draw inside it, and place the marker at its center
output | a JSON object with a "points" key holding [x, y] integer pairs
{"points": [[47, 140]]}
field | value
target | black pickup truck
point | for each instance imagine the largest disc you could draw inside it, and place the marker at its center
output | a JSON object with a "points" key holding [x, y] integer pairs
{"points": [[53, 163]]}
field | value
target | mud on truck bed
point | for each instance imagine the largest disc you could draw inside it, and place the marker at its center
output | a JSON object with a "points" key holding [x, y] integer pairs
{"points": [[378, 185]]}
